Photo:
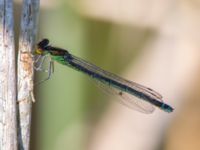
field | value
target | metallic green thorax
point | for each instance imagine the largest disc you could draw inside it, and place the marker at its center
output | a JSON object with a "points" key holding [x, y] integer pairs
{"points": [[59, 59], [63, 61]]}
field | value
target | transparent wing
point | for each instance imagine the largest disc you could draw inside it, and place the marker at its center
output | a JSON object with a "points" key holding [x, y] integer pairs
{"points": [[126, 98]]}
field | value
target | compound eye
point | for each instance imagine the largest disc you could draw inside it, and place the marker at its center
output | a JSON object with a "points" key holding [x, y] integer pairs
{"points": [[43, 43]]}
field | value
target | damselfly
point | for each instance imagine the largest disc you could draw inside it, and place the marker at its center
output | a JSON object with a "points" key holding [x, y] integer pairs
{"points": [[125, 89]]}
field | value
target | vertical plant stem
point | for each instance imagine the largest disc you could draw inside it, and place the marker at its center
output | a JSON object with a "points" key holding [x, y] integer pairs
{"points": [[29, 21], [8, 121]]}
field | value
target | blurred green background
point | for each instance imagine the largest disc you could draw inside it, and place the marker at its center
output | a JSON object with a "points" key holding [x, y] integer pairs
{"points": [[69, 98], [153, 42]]}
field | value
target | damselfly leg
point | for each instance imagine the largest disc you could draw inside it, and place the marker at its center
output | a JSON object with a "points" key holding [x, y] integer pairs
{"points": [[38, 63], [39, 67]]}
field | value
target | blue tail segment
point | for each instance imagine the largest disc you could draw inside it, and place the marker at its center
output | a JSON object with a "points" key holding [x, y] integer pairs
{"points": [[167, 108]]}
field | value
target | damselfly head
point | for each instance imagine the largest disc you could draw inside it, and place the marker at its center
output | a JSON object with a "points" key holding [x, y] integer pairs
{"points": [[43, 43], [42, 47]]}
